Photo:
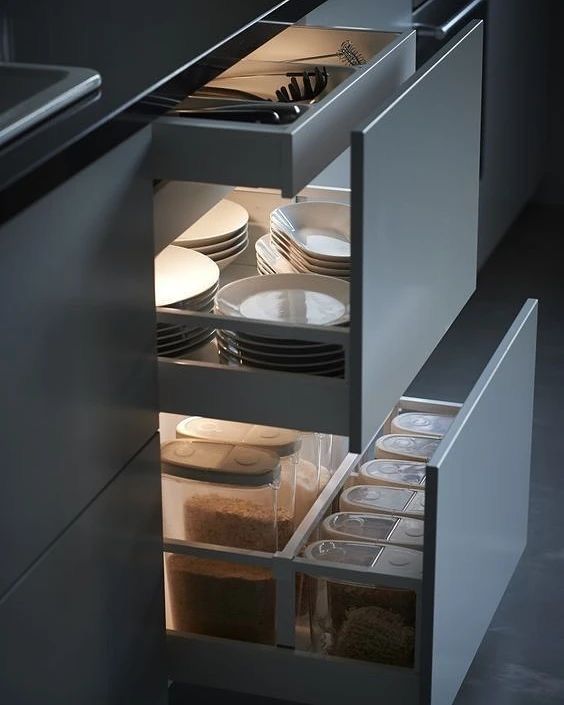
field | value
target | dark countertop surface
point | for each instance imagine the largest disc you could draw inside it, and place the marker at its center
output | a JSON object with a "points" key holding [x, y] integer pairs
{"points": [[135, 46]]}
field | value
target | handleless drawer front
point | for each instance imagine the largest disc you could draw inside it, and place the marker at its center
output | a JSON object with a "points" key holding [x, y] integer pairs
{"points": [[414, 197], [287, 157], [476, 510]]}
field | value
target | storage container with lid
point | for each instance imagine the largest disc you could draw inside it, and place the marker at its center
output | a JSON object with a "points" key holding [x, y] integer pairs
{"points": [[383, 500], [366, 622], [418, 423], [304, 456], [406, 447], [228, 494], [394, 473], [380, 528]]}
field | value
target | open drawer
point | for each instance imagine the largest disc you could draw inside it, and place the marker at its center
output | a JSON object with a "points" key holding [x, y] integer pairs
{"points": [[475, 530], [287, 157], [414, 207]]}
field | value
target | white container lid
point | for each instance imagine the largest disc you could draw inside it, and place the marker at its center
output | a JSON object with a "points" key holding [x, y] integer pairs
{"points": [[400, 473], [382, 528], [422, 424], [219, 462], [384, 559], [283, 441], [383, 500], [403, 446]]}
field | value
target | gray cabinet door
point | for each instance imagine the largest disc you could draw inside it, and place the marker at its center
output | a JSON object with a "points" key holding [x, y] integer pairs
{"points": [[78, 373], [85, 626], [414, 198]]}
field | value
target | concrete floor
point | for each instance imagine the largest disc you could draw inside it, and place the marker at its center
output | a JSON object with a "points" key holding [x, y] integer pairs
{"points": [[521, 660]]}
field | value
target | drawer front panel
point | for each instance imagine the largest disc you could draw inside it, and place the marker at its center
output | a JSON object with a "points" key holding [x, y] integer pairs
{"points": [[77, 361], [285, 157], [86, 624], [414, 171], [476, 510]]}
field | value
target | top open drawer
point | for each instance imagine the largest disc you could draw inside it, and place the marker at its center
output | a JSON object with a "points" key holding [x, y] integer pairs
{"points": [[288, 157]]}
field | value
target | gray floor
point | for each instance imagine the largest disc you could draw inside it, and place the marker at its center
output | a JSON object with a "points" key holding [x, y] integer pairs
{"points": [[521, 661]]}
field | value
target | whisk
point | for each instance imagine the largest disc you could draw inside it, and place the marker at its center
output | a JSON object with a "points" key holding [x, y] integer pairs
{"points": [[347, 53]]}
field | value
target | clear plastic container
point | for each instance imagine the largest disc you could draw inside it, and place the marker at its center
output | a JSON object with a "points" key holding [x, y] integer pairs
{"points": [[393, 473], [380, 528], [383, 500], [418, 423], [228, 494], [405, 447], [305, 457], [366, 622]]}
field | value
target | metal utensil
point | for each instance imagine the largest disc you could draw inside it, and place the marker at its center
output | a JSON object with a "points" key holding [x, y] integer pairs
{"points": [[347, 53]]}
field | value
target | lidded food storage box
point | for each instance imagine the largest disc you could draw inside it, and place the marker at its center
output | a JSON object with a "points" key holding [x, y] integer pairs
{"points": [[383, 500], [394, 473], [366, 622], [381, 528], [304, 456], [228, 494], [418, 423], [405, 447]]}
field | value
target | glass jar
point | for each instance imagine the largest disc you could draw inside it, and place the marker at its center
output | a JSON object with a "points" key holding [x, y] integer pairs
{"points": [[404, 447], [417, 423], [383, 500], [365, 622], [380, 528]]}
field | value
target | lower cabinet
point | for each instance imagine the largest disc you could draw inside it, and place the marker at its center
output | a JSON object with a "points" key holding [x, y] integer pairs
{"points": [[85, 624], [445, 589]]}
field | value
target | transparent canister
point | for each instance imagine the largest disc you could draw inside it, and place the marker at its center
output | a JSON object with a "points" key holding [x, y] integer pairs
{"points": [[366, 622], [304, 456], [417, 423], [380, 528], [406, 447], [393, 473], [383, 500]]}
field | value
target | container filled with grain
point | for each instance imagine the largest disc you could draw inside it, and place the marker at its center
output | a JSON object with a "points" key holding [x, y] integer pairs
{"points": [[406, 447], [366, 622], [418, 423], [392, 473], [379, 528], [399, 501]]}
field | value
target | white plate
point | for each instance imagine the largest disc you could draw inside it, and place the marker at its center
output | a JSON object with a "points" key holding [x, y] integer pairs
{"points": [[184, 335], [220, 223], [326, 368], [289, 298], [318, 228], [226, 261], [279, 344], [211, 250], [271, 258], [171, 351], [239, 247], [182, 274], [286, 248], [281, 355]]}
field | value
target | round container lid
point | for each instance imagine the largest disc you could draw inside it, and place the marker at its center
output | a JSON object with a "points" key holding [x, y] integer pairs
{"points": [[220, 462], [395, 472], [383, 558], [403, 446], [282, 441], [374, 498], [356, 526], [422, 423]]}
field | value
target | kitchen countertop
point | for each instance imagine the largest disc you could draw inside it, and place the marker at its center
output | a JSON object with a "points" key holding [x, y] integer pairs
{"points": [[135, 46]]}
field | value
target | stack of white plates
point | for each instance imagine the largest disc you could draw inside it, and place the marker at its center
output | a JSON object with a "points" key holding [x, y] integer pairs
{"points": [[314, 237], [288, 298], [269, 260], [221, 234], [188, 280]]}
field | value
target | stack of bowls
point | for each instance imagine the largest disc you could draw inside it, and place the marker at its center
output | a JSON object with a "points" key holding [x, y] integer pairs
{"points": [[313, 236], [221, 234], [187, 280], [287, 298]]}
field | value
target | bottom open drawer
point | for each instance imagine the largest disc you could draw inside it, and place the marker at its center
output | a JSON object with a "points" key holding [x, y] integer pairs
{"points": [[475, 529]]}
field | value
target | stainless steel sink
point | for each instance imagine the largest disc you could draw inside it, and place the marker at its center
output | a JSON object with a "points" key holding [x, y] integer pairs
{"points": [[30, 93]]}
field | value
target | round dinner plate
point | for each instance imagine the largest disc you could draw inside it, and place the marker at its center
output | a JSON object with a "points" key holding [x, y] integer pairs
{"points": [[319, 228], [212, 250], [220, 223], [273, 344], [270, 257], [175, 351], [288, 298], [330, 368], [285, 248], [182, 274], [288, 356]]}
